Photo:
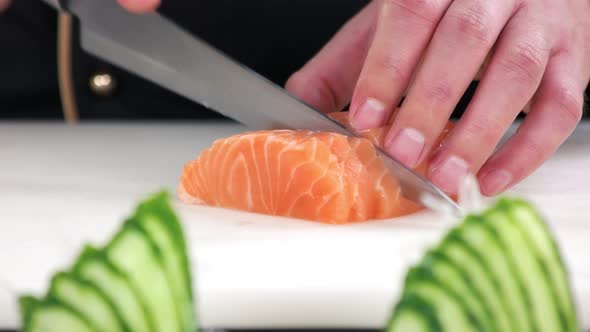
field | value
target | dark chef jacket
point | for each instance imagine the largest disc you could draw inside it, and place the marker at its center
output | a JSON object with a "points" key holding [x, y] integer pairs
{"points": [[273, 37]]}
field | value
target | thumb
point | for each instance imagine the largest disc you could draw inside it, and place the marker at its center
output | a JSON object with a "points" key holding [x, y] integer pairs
{"points": [[136, 6]]}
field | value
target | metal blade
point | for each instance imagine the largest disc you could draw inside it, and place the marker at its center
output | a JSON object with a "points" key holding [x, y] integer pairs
{"points": [[155, 48]]}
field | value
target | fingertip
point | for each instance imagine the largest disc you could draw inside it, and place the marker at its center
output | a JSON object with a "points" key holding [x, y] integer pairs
{"points": [[407, 146], [448, 172], [140, 6], [495, 181], [371, 114]]}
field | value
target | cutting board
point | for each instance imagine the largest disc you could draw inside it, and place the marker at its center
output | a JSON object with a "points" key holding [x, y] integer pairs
{"points": [[63, 186]]}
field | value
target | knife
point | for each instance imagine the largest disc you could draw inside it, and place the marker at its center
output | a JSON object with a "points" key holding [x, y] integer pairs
{"points": [[156, 49]]}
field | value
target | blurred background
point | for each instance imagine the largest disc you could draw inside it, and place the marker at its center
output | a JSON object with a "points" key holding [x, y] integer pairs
{"points": [[273, 37]]}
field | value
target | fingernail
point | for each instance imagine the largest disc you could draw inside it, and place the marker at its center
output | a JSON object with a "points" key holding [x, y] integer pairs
{"points": [[449, 173], [371, 114], [495, 181], [407, 146]]}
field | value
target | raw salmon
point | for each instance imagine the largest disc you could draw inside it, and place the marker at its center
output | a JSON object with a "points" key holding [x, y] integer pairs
{"points": [[318, 176]]}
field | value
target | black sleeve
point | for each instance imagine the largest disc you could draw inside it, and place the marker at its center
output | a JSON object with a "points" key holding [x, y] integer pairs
{"points": [[273, 37], [28, 83]]}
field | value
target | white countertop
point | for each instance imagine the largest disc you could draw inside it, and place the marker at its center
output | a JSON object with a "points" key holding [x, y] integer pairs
{"points": [[61, 186]]}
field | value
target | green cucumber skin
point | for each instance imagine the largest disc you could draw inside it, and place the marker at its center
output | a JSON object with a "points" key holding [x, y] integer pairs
{"points": [[540, 237], [155, 230], [27, 304], [157, 219], [509, 285], [506, 250], [49, 303], [434, 260], [159, 205], [137, 308], [418, 306], [542, 301], [524, 290], [421, 282], [162, 321], [116, 323], [456, 250]]}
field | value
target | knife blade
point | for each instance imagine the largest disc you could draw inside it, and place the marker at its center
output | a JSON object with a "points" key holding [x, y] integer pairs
{"points": [[156, 49]]}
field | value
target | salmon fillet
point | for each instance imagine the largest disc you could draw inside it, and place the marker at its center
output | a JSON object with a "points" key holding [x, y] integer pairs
{"points": [[317, 176]]}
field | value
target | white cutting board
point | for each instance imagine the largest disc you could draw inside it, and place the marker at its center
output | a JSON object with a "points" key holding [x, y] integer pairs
{"points": [[62, 186]]}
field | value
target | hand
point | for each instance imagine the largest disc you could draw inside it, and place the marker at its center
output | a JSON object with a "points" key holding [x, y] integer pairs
{"points": [[539, 55], [139, 6], [4, 4]]}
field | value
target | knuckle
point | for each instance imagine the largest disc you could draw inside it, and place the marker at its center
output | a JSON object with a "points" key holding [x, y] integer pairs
{"points": [[570, 104], [328, 92], [536, 149], [525, 63], [393, 68], [487, 132], [472, 23], [426, 10], [440, 93]]}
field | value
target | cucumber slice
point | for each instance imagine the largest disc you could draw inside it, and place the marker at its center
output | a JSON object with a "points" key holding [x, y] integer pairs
{"points": [[484, 242], [414, 314], [94, 267], [452, 314], [52, 316], [528, 269], [454, 278], [27, 304], [539, 236], [497, 271], [133, 253], [88, 300], [140, 281], [460, 254], [156, 218]]}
